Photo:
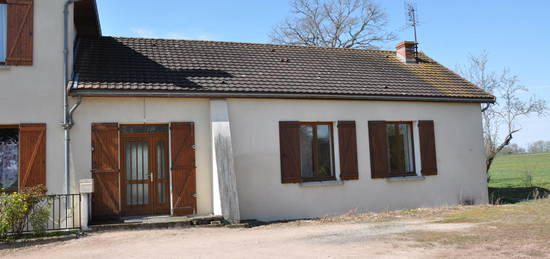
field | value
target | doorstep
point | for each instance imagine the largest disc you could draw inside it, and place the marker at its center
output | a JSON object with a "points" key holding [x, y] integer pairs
{"points": [[158, 222]]}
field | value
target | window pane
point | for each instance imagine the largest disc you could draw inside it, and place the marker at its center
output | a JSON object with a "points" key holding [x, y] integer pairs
{"points": [[144, 129], [160, 160], [3, 31], [407, 154], [324, 150], [392, 147], [306, 150], [9, 157], [137, 161]]}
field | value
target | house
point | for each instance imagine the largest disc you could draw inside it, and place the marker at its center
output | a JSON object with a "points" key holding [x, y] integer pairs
{"points": [[243, 130]]}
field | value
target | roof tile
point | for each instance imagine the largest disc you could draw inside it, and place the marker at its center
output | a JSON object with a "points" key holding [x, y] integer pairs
{"points": [[108, 63]]}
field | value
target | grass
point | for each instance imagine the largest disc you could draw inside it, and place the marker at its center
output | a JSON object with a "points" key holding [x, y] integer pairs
{"points": [[511, 230], [522, 228], [511, 171], [519, 177]]}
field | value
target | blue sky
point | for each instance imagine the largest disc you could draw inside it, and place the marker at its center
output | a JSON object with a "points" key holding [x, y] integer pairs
{"points": [[515, 33]]}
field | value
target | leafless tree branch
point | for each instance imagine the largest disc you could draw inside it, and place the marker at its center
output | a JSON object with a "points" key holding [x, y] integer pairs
{"points": [[500, 120], [334, 23]]}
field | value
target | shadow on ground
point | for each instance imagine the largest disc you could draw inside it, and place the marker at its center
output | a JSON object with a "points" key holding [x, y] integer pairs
{"points": [[513, 195]]}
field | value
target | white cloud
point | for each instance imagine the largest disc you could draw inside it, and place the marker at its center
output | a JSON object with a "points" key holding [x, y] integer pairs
{"points": [[149, 33]]}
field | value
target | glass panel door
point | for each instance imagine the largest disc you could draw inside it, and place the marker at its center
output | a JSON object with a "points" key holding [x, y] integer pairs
{"points": [[145, 185], [137, 176], [137, 173]]}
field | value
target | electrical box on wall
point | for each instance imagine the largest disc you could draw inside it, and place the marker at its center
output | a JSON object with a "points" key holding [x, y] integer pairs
{"points": [[86, 185]]}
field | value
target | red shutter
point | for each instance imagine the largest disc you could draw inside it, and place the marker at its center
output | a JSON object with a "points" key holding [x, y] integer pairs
{"points": [[20, 32], [289, 139], [105, 171], [378, 149], [428, 157], [347, 142], [32, 155], [182, 138]]}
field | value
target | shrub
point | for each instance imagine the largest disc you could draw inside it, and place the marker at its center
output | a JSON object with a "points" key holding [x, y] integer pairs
{"points": [[39, 219], [12, 209], [17, 208]]}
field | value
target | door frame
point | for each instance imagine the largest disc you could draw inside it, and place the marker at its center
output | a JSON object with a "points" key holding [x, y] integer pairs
{"points": [[122, 187]]}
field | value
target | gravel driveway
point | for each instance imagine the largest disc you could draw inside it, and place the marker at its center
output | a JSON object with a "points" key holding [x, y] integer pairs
{"points": [[342, 240]]}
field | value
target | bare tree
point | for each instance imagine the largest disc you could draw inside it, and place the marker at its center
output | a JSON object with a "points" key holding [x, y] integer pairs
{"points": [[500, 120], [540, 146], [333, 23], [512, 149]]}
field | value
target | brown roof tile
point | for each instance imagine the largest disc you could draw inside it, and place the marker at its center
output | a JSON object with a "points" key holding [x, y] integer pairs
{"points": [[170, 66]]}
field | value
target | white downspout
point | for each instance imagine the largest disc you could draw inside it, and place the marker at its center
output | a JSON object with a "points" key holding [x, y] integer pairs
{"points": [[67, 120]]}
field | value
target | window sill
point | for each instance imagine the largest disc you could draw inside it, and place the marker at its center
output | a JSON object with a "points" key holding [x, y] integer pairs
{"points": [[322, 183], [4, 67], [405, 178]]}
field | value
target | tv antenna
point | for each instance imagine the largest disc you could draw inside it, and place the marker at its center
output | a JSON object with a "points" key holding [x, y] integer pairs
{"points": [[412, 20]]}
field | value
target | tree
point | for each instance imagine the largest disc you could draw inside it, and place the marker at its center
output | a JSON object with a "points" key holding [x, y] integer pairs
{"points": [[540, 146], [500, 120], [333, 23], [512, 149]]}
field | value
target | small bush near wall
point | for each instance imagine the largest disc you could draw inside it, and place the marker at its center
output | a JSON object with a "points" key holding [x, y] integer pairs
{"points": [[19, 209]]}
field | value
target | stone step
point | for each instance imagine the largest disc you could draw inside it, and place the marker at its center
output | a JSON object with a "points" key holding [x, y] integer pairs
{"points": [[138, 223]]}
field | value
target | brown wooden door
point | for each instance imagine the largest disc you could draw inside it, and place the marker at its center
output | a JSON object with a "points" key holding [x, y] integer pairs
{"points": [[105, 171], [145, 179], [183, 168]]}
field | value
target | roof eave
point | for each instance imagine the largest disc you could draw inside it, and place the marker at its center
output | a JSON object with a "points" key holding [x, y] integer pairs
{"points": [[134, 93]]}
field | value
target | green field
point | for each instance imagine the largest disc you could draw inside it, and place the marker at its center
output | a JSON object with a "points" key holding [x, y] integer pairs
{"points": [[514, 176]]}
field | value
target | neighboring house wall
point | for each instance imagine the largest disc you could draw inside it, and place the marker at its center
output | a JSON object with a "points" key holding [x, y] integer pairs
{"points": [[254, 125], [139, 111], [34, 94]]}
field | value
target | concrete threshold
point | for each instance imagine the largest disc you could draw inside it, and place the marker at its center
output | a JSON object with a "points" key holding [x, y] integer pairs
{"points": [[158, 222]]}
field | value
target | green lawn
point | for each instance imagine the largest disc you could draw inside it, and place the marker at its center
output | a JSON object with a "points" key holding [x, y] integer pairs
{"points": [[514, 175], [513, 171]]}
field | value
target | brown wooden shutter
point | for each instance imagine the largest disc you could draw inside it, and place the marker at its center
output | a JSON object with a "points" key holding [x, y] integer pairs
{"points": [[20, 32], [32, 155], [105, 171], [182, 136], [428, 156], [289, 139], [378, 149], [347, 142]]}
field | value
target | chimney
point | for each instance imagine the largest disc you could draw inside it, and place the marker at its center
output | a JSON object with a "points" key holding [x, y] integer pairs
{"points": [[406, 52]]}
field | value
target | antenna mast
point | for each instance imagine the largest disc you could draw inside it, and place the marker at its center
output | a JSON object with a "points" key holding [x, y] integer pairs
{"points": [[413, 21]]}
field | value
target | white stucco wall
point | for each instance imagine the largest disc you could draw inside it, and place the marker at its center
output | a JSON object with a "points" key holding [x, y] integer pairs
{"points": [[145, 110], [255, 129], [34, 94], [255, 137]]}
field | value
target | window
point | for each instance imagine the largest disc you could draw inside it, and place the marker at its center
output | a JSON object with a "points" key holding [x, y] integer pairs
{"points": [[3, 31], [316, 151], [391, 149], [9, 159], [307, 151], [400, 148]]}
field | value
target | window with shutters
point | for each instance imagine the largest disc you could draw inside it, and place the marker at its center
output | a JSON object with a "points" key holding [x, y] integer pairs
{"points": [[400, 148], [3, 31], [316, 151], [9, 159]]}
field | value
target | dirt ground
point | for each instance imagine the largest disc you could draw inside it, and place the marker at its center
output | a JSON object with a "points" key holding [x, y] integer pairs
{"points": [[476, 232]]}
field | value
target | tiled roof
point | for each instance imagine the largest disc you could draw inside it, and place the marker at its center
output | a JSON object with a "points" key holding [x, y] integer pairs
{"points": [[176, 66]]}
